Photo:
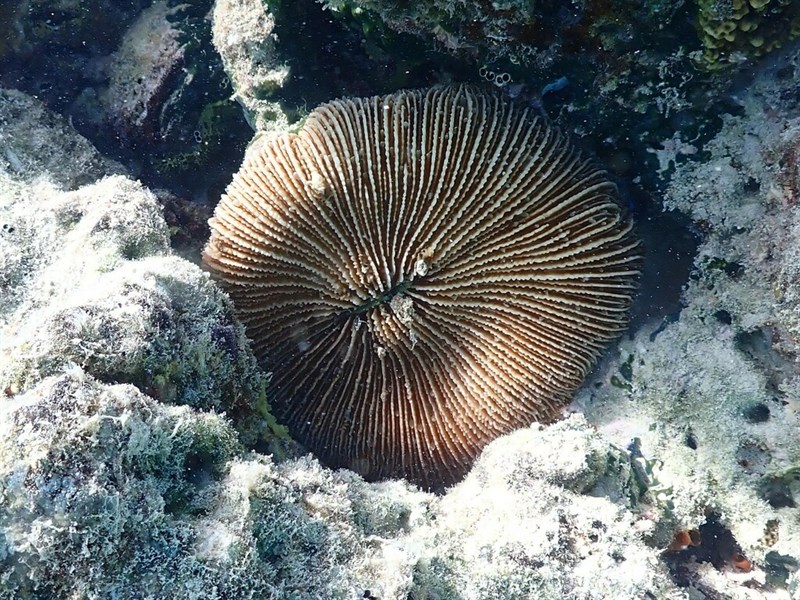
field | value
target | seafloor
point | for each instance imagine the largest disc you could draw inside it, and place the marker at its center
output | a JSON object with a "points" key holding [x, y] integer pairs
{"points": [[138, 454]]}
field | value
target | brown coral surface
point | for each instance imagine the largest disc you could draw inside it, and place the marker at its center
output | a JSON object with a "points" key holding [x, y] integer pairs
{"points": [[422, 272]]}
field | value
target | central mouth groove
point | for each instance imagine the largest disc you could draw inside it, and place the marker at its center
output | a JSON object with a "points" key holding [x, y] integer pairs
{"points": [[384, 298]]}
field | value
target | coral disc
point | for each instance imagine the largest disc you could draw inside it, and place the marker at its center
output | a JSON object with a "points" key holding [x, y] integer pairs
{"points": [[422, 272]]}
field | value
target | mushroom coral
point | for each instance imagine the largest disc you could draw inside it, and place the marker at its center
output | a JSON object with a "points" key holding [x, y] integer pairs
{"points": [[422, 272]]}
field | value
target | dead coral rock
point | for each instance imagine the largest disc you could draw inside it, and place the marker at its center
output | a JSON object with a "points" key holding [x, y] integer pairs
{"points": [[71, 237], [713, 397], [569, 454], [101, 480], [531, 521], [148, 58], [36, 143], [136, 499], [86, 278], [243, 36], [89, 282]]}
